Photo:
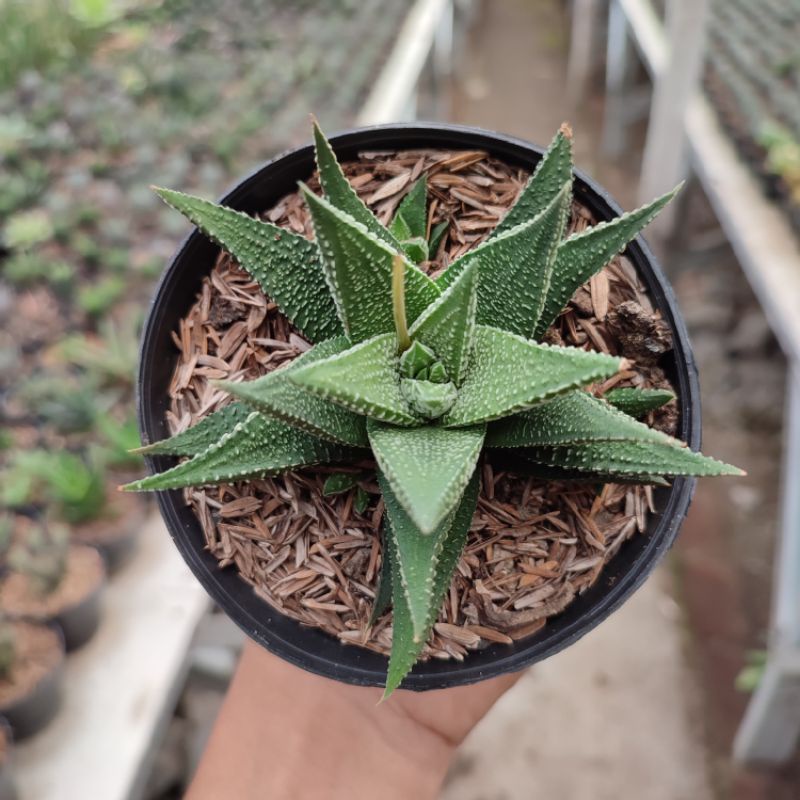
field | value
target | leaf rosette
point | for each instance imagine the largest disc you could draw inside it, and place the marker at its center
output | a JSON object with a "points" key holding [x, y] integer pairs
{"points": [[426, 374]]}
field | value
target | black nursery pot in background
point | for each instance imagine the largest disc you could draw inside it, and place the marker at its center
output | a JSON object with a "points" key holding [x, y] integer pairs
{"points": [[312, 649]]}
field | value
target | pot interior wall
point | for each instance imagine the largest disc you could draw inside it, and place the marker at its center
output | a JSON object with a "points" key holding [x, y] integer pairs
{"points": [[309, 647]]}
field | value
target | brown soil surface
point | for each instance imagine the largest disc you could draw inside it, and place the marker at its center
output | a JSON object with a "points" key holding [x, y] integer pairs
{"points": [[84, 574], [38, 652], [533, 544]]}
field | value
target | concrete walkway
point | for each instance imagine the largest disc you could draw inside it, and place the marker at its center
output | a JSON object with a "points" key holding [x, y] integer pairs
{"points": [[612, 717]]}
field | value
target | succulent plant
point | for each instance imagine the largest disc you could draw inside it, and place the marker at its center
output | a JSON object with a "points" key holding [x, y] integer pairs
{"points": [[74, 484], [42, 556], [423, 373]]}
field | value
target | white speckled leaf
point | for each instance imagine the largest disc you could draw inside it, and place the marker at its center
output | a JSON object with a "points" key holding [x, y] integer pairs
{"points": [[585, 253], [358, 267], [275, 395], [508, 373], [551, 173], [447, 326], [194, 440], [637, 402], [363, 379], [515, 268], [406, 643], [339, 191], [256, 447], [550, 473], [427, 467], [417, 555], [670, 458], [572, 418], [286, 266]]}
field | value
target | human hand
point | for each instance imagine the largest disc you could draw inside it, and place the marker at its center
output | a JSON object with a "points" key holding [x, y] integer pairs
{"points": [[285, 733]]}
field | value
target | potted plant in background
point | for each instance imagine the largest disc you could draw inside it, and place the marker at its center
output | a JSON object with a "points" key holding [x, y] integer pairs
{"points": [[31, 660], [432, 365], [54, 581], [76, 484]]}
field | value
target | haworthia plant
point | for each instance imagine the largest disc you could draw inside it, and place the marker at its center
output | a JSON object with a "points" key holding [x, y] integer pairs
{"points": [[425, 374]]}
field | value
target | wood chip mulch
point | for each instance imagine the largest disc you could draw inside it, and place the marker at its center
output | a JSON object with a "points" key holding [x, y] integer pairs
{"points": [[533, 545]]}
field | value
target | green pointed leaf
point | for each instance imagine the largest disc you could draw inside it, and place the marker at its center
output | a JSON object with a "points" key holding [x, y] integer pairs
{"points": [[551, 173], [256, 447], [416, 249], [285, 265], [572, 418], [508, 373], [427, 467], [417, 556], [362, 500], [417, 360], [194, 440], [358, 267], [632, 458], [339, 191], [437, 233], [274, 394], [638, 402], [406, 647], [515, 268], [447, 326], [585, 253], [363, 379], [405, 650], [550, 473], [383, 595], [411, 219], [399, 229], [339, 482]]}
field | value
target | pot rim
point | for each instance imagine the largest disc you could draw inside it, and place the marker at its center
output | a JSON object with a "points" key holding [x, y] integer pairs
{"points": [[352, 664]]}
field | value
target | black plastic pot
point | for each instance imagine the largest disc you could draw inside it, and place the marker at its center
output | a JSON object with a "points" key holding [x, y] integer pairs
{"points": [[79, 622], [31, 713], [309, 648]]}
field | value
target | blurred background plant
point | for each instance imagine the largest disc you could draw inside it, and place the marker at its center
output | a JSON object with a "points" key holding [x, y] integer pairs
{"points": [[47, 35], [98, 100], [42, 557], [783, 157]]}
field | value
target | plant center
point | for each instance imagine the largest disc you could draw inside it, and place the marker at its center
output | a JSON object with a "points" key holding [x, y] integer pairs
{"points": [[424, 382]]}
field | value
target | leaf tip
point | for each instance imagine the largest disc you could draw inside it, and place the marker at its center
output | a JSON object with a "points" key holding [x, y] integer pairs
{"points": [[225, 385]]}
